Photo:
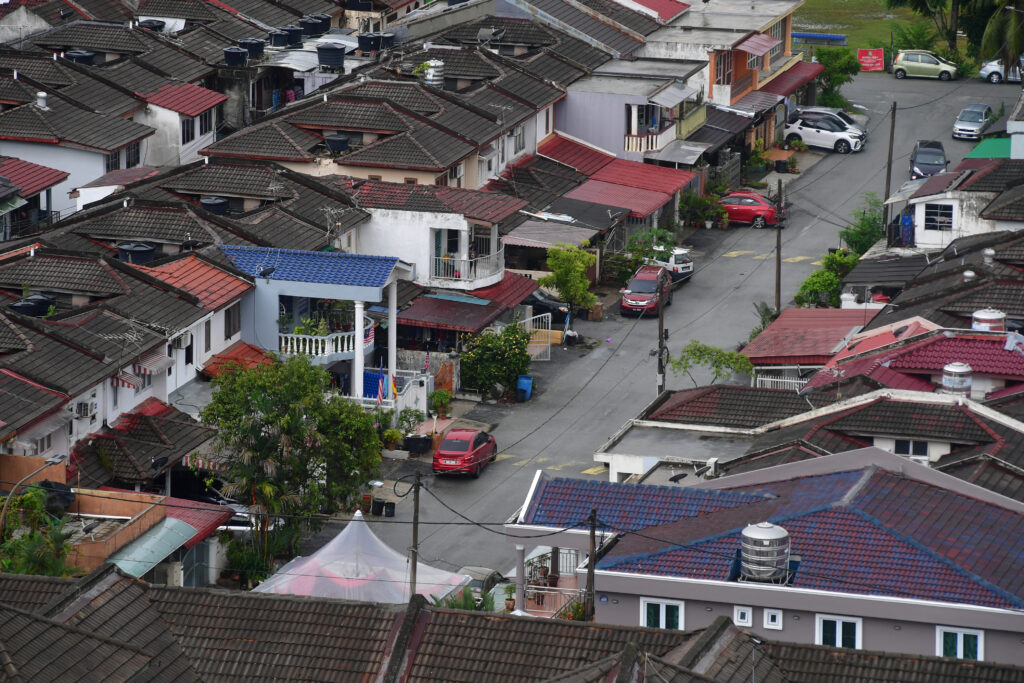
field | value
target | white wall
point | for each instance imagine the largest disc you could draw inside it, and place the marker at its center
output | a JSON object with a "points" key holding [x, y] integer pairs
{"points": [[936, 449], [88, 195], [20, 23], [83, 166], [967, 207], [172, 24], [406, 234], [167, 148]]}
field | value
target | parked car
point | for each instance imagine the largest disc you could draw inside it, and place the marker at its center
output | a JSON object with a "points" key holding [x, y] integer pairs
{"points": [[465, 451], [993, 71], [923, 63], [483, 580], [835, 114], [641, 294], [679, 263], [972, 121], [927, 159], [750, 207], [822, 132], [544, 304]]}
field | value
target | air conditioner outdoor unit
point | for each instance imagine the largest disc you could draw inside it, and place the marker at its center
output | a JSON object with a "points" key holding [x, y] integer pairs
{"points": [[181, 341], [82, 409]]}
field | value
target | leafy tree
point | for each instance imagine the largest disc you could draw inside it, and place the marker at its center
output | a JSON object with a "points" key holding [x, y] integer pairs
{"points": [[39, 545], [944, 14], [821, 289], [866, 228], [496, 358], [641, 247], [841, 66], [722, 364], [1004, 34], [568, 265], [466, 600], [291, 448], [766, 315]]}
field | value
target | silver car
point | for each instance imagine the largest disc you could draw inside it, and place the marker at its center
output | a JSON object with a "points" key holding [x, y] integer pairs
{"points": [[993, 71], [973, 121]]}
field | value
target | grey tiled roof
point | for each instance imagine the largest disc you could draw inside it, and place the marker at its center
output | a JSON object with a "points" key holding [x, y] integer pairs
{"points": [[54, 364], [1007, 206], [989, 473], [601, 31], [91, 35], [341, 114], [996, 177], [276, 139], [423, 147], [634, 21], [209, 45], [530, 89], [23, 402], [175, 9], [51, 273], [64, 123], [269, 13], [275, 228], [243, 180], [409, 95], [16, 91], [115, 338], [550, 67], [310, 6], [729, 406], [38, 67], [509, 111], [135, 77], [29, 591], [73, 81], [168, 224], [517, 31]]}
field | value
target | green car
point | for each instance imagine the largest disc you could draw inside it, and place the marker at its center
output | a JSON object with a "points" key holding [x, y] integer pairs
{"points": [[924, 64]]}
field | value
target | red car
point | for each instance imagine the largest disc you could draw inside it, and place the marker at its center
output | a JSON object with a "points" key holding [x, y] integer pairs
{"points": [[751, 207], [465, 451], [641, 294]]}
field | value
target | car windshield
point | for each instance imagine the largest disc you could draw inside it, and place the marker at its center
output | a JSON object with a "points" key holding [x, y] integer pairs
{"points": [[927, 156], [643, 286], [972, 116], [845, 117], [455, 445]]}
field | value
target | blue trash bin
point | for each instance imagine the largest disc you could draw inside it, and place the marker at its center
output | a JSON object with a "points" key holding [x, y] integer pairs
{"points": [[524, 387]]}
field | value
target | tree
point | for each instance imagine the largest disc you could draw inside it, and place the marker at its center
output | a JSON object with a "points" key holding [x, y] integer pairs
{"points": [[1004, 34], [766, 316], [945, 15], [568, 265], [290, 448], [866, 228], [841, 66], [39, 545], [641, 246], [722, 364], [821, 289], [491, 358]]}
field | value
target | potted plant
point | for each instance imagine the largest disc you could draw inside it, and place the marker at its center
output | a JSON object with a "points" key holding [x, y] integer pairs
{"points": [[440, 399], [390, 438], [798, 145], [791, 165], [510, 597]]}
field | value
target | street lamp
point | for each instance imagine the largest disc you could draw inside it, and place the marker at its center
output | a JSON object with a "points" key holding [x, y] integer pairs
{"points": [[52, 460]]}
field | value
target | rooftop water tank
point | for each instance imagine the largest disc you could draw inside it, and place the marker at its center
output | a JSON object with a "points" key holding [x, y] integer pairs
{"points": [[294, 35], [387, 41], [433, 75], [956, 379], [337, 143], [35, 305], [310, 26], [80, 56], [254, 46], [218, 206], [989, 319], [764, 552], [138, 253], [235, 56], [278, 38], [324, 19], [369, 42], [152, 25], [331, 55]]}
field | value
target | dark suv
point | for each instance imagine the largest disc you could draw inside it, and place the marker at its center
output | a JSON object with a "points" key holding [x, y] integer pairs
{"points": [[927, 159], [641, 294]]}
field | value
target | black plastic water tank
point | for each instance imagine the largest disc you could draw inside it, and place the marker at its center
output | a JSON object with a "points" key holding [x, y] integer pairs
{"points": [[310, 26], [218, 206], [278, 38], [294, 35], [336, 143], [360, 5], [152, 25], [254, 46], [331, 55], [369, 42], [80, 56], [35, 305], [387, 41], [138, 253], [324, 19], [235, 56]]}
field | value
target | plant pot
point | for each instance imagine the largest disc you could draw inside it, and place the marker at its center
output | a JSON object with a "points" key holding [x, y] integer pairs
{"points": [[510, 604], [708, 224]]}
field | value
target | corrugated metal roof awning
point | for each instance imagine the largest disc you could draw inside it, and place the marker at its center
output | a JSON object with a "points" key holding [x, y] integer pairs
{"points": [[672, 95], [153, 547], [126, 380], [11, 204], [155, 361], [681, 151], [545, 235], [758, 44]]}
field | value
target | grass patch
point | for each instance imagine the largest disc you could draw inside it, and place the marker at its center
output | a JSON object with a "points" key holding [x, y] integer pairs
{"points": [[863, 21]]}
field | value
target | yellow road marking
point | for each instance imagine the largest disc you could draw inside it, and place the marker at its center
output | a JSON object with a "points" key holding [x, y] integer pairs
{"points": [[600, 469], [734, 254], [797, 259], [503, 456], [817, 263], [763, 257]]}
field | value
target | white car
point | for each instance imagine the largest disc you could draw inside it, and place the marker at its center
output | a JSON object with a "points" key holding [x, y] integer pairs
{"points": [[679, 263], [993, 72], [823, 132]]}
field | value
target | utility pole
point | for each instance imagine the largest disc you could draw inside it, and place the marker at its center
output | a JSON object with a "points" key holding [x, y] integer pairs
{"points": [[415, 534], [778, 250], [661, 335], [588, 604], [888, 170]]}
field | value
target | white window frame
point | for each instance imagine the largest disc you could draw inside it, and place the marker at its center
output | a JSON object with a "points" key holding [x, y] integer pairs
{"points": [[935, 217], [44, 443], [737, 615], [768, 623], [147, 383], [912, 445], [644, 602], [519, 139], [942, 630], [819, 619]]}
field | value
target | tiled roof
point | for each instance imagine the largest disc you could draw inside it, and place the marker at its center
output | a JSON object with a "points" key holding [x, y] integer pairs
{"points": [[185, 98], [888, 270], [423, 147], [624, 16], [509, 291], [91, 35], [51, 273], [344, 114], [526, 87], [175, 9], [123, 176], [1007, 206], [23, 402], [602, 30], [986, 355], [173, 60], [213, 287], [275, 139], [474, 204], [64, 123], [666, 10], [243, 355], [333, 268], [30, 591], [791, 79], [989, 473], [644, 176], [996, 176], [805, 335], [151, 223], [81, 84], [553, 67], [30, 178], [640, 203], [136, 77], [580, 156], [228, 179], [102, 332], [730, 406]]}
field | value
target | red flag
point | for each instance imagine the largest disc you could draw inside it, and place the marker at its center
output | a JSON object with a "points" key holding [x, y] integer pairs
{"points": [[380, 388], [426, 363]]}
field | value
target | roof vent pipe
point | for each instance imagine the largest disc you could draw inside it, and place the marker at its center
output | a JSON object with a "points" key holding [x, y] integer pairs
{"points": [[41, 100], [15, 74], [989, 255], [969, 276]]}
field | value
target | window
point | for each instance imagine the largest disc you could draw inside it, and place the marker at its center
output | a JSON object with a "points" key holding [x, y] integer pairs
{"points": [[723, 68], [147, 382], [206, 122], [907, 447], [188, 130], [373, 177], [773, 619], [207, 335], [113, 396], [661, 613], [837, 631], [519, 140], [113, 161], [962, 643], [547, 120], [753, 61], [778, 32], [410, 181], [232, 321], [928, 59], [132, 156], [44, 444], [938, 216], [743, 616]]}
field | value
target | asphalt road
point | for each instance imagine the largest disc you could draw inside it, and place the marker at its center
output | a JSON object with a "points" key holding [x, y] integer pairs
{"points": [[583, 396]]}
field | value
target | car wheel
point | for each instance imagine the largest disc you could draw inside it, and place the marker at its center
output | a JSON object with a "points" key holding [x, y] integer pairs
{"points": [[792, 137], [759, 223], [843, 147], [900, 73], [945, 75], [995, 77], [476, 471]]}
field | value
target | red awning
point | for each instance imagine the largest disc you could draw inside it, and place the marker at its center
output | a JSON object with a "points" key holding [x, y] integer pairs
{"points": [[644, 176], [758, 44], [508, 292], [447, 314], [793, 78], [126, 380], [639, 203]]}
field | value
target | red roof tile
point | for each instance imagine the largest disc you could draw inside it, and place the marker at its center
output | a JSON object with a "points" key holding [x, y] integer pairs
{"points": [[788, 81], [31, 179], [985, 355], [640, 203], [241, 354], [212, 286], [578, 155], [666, 10], [203, 517], [185, 98], [509, 292], [805, 335], [644, 176], [758, 44]]}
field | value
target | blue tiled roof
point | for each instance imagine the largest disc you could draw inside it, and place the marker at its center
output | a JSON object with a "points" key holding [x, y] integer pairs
{"points": [[331, 268]]}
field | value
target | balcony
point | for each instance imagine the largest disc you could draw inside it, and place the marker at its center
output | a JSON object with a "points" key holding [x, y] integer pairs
{"points": [[652, 140], [458, 273], [325, 349]]}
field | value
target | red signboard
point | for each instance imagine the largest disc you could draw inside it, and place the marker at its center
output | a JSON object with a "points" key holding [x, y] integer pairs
{"points": [[871, 60]]}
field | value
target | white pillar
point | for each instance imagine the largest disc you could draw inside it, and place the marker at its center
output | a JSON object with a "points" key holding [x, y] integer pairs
{"points": [[167, 482], [464, 245], [521, 577], [392, 334], [633, 119], [358, 358]]}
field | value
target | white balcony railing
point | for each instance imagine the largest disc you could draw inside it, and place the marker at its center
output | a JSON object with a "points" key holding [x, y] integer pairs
{"points": [[467, 269], [328, 345], [652, 141], [791, 383]]}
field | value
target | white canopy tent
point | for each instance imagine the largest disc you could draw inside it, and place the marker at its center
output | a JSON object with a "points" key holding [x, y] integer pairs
{"points": [[356, 565]]}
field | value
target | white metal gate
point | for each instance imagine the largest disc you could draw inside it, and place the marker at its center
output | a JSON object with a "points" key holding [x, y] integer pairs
{"points": [[539, 327]]}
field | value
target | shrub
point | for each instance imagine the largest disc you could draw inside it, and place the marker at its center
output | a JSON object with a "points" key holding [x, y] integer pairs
{"points": [[496, 358]]}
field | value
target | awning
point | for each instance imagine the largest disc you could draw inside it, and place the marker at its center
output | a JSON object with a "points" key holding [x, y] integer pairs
{"points": [[153, 361], [672, 95], [758, 44], [126, 380], [545, 235], [991, 148], [793, 78], [153, 547], [447, 314], [757, 102], [245, 356], [906, 191], [11, 204], [680, 152], [640, 203]]}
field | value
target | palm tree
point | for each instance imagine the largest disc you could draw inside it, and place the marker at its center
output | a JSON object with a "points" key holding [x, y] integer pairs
{"points": [[1004, 35]]}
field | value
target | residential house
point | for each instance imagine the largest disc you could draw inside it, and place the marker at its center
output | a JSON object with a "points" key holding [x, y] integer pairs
{"points": [[874, 553], [108, 184], [25, 17], [27, 204]]}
